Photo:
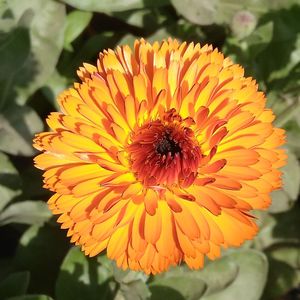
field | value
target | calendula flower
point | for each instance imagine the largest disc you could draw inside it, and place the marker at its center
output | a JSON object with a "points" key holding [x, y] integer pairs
{"points": [[159, 155]]}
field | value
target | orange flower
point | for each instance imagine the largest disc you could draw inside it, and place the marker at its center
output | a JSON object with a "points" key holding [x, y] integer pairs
{"points": [[159, 155]]}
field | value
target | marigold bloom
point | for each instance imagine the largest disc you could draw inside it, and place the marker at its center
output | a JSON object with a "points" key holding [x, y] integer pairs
{"points": [[159, 155]]}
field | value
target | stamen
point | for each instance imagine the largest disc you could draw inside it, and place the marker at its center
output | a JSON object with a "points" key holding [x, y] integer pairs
{"points": [[167, 145], [164, 153]]}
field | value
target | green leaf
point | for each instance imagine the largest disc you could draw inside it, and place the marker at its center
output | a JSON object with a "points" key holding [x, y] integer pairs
{"points": [[219, 274], [135, 290], [280, 202], [54, 86], [216, 276], [290, 254], [293, 138], [108, 6], [284, 273], [14, 52], [6, 20], [87, 52], [9, 181], [82, 278], [76, 22], [284, 47], [18, 126], [284, 199], [31, 297], [198, 12], [250, 280], [177, 287], [207, 12], [128, 276], [149, 19], [31, 178], [14, 285], [47, 39], [278, 228], [137, 17], [290, 111], [5, 267], [25, 212], [246, 50], [132, 284], [259, 39], [41, 251]]}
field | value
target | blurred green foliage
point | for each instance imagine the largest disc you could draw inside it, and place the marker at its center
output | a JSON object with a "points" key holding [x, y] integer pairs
{"points": [[42, 43]]}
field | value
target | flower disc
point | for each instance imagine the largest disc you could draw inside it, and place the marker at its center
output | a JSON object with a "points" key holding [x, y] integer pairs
{"points": [[159, 155]]}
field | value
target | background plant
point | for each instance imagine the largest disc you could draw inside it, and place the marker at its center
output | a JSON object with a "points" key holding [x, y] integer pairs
{"points": [[42, 43]]}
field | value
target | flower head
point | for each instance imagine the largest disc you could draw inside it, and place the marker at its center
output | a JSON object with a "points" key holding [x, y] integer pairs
{"points": [[159, 155]]}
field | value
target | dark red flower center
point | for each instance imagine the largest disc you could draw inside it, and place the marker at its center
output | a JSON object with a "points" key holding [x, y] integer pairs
{"points": [[167, 145], [165, 152]]}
